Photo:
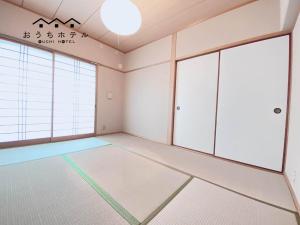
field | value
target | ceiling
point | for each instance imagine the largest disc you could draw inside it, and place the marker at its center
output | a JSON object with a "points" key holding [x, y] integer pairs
{"points": [[159, 17]]}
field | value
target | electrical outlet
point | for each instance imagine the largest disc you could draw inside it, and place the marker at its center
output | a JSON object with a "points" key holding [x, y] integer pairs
{"points": [[103, 127], [109, 95]]}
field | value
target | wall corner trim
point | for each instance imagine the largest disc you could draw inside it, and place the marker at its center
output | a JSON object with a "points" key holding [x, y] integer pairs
{"points": [[296, 201], [172, 90]]}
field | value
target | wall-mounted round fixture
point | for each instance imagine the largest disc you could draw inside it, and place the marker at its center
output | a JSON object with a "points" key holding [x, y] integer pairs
{"points": [[121, 16]]}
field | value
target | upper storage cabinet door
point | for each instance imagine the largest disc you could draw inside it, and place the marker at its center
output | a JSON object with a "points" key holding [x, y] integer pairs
{"points": [[196, 94], [252, 103]]}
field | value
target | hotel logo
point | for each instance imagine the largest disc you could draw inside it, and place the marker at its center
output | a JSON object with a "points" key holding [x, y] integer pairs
{"points": [[53, 34]]}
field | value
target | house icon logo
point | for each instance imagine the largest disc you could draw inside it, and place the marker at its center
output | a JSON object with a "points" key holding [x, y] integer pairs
{"points": [[59, 36], [41, 22]]}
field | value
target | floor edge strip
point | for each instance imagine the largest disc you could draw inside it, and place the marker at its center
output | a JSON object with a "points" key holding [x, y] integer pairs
{"points": [[167, 201]]}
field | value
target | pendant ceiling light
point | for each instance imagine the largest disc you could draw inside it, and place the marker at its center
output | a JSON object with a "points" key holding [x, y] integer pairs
{"points": [[121, 16]]}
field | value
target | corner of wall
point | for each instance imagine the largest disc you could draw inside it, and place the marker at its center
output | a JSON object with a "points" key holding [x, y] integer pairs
{"points": [[292, 168], [153, 53], [147, 93], [289, 10], [110, 100]]}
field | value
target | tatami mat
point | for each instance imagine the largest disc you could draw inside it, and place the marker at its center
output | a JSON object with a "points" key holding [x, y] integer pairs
{"points": [[263, 185], [49, 192], [137, 184], [206, 204]]}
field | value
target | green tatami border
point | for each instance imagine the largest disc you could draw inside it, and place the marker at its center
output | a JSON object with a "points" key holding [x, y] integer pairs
{"points": [[109, 199]]}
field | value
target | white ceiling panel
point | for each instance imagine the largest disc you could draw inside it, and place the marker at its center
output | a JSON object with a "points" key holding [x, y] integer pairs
{"points": [[157, 11], [159, 17], [81, 10], [113, 40], [180, 20], [94, 26], [45, 8]]}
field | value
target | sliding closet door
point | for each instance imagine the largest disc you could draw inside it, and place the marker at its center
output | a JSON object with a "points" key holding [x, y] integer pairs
{"points": [[196, 93], [74, 97], [252, 103]]}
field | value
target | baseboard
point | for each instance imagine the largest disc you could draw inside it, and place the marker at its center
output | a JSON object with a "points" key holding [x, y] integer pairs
{"points": [[108, 133], [156, 141], [296, 202]]}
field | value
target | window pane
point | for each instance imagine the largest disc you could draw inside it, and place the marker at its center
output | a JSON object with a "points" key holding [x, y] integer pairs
{"points": [[26, 89], [25, 92], [74, 96]]}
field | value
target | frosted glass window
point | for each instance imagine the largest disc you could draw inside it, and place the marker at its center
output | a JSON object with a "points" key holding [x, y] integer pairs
{"points": [[25, 92], [74, 97], [37, 103]]}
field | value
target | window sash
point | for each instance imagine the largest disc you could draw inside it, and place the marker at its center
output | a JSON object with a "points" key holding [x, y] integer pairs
{"points": [[74, 97], [27, 95]]}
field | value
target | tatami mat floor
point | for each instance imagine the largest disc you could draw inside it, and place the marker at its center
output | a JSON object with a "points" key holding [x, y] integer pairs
{"points": [[206, 204], [49, 192], [136, 181], [138, 184], [254, 183]]}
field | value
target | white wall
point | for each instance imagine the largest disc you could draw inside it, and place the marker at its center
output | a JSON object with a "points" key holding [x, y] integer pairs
{"points": [[110, 99], [147, 87], [256, 19], [14, 21], [288, 13], [155, 52], [147, 90], [293, 149], [147, 102]]}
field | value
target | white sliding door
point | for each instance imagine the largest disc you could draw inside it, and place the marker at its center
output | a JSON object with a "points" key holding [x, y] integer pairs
{"points": [[196, 94], [25, 92], [74, 97], [252, 103]]}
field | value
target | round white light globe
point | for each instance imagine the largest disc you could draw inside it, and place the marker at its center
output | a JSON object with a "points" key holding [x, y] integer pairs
{"points": [[121, 16]]}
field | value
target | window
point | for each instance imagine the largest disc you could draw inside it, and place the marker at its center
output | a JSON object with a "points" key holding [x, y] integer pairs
{"points": [[39, 100], [74, 97], [25, 92]]}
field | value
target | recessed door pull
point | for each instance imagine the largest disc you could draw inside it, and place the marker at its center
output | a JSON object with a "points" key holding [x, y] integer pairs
{"points": [[277, 110]]}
